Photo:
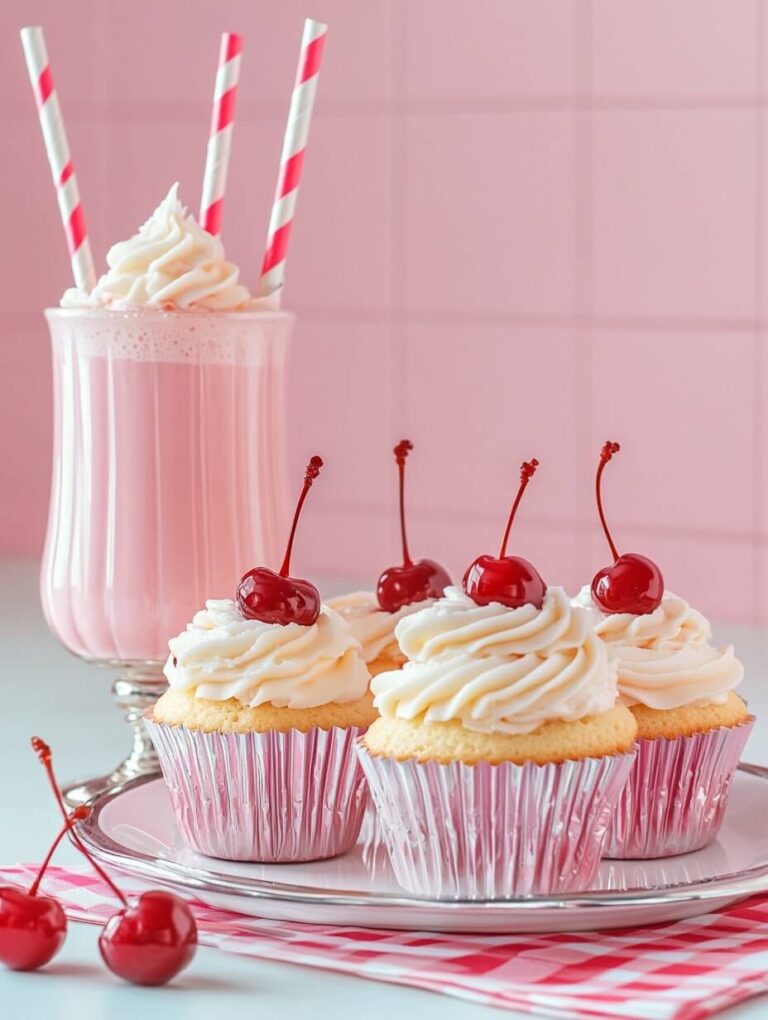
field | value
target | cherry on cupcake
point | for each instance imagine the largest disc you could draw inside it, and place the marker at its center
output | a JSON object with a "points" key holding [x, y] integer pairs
{"points": [[510, 580], [411, 582], [147, 942], [33, 927], [633, 583], [276, 597]]}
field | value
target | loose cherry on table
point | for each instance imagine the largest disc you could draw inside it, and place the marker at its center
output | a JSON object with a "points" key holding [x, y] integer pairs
{"points": [[33, 927], [633, 583], [510, 580], [148, 942], [412, 582], [277, 598]]}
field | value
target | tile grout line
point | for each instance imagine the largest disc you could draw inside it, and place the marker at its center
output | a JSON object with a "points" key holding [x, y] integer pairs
{"points": [[426, 317], [582, 527], [181, 111], [584, 38], [104, 148], [398, 312], [758, 581], [399, 214]]}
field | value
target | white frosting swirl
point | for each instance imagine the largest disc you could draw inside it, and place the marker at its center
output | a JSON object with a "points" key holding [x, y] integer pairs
{"points": [[222, 655], [666, 659], [172, 263], [498, 670], [373, 627]]}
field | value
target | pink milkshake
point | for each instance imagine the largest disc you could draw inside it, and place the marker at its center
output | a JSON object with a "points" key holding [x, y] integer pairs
{"points": [[168, 450], [166, 471]]}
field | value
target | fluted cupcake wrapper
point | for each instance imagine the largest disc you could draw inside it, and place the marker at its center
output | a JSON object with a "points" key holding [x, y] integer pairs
{"points": [[278, 796], [676, 795], [455, 831]]}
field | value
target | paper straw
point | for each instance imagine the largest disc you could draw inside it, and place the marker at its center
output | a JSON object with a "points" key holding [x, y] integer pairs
{"points": [[57, 150], [292, 157], [220, 140]]}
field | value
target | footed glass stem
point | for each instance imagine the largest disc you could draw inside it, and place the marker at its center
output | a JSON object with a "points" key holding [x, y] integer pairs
{"points": [[134, 691]]}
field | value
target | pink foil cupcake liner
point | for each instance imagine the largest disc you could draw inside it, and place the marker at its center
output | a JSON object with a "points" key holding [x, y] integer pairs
{"points": [[264, 796], [484, 831], [676, 794]]}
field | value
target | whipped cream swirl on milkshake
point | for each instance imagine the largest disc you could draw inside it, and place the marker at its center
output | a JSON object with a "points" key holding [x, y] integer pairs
{"points": [[495, 669], [172, 263]]}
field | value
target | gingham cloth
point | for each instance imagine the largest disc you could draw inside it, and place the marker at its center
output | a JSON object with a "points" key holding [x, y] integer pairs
{"points": [[681, 971]]}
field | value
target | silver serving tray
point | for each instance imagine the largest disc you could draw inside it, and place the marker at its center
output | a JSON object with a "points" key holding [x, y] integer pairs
{"points": [[134, 830]]}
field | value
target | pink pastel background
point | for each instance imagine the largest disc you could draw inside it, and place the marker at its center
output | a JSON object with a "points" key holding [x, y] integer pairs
{"points": [[524, 227]]}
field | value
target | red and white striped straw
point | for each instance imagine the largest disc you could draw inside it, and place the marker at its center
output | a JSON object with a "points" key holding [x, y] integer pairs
{"points": [[57, 150], [220, 140], [292, 157]]}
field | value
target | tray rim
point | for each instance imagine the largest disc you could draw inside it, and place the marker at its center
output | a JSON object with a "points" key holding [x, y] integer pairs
{"points": [[734, 886]]}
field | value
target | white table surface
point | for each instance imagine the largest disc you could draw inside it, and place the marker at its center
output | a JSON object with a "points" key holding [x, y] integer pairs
{"points": [[45, 691]]}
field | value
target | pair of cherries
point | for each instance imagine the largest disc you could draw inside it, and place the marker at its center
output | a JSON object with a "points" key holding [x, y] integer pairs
{"points": [[631, 584], [147, 942], [279, 598]]}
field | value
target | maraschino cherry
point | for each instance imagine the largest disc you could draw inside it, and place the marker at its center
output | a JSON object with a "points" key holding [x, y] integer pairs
{"points": [[412, 582], [633, 584], [33, 927], [510, 580], [147, 942], [277, 598]]}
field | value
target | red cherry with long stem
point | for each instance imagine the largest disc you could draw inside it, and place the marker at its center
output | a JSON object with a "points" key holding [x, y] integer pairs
{"points": [[77, 815], [633, 583], [148, 942], [43, 752], [509, 580], [411, 582], [33, 927], [278, 598]]}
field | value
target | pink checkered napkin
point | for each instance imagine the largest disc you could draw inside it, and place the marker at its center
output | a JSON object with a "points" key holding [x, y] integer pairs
{"points": [[680, 971]]}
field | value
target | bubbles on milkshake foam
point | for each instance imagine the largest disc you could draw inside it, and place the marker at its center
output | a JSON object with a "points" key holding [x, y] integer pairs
{"points": [[176, 341]]}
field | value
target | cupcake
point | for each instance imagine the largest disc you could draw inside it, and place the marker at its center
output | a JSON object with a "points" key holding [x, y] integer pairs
{"points": [[268, 693], [400, 591], [374, 627], [500, 751], [692, 726]]}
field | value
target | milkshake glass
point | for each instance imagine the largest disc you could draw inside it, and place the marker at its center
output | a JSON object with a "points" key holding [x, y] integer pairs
{"points": [[168, 466]]}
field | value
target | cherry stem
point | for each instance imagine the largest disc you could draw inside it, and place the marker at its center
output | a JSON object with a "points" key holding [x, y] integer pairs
{"points": [[606, 454], [401, 452], [43, 752], [527, 471], [313, 470], [79, 813]]}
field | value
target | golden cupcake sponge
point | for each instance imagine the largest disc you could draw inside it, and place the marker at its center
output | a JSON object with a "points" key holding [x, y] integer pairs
{"points": [[689, 719], [611, 732], [386, 663], [182, 708]]}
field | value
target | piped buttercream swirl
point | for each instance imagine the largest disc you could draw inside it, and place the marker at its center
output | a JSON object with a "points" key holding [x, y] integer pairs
{"points": [[171, 263], [498, 670], [373, 627], [222, 655], [666, 659]]}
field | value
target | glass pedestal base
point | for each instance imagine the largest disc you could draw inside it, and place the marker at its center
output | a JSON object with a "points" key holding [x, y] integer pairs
{"points": [[134, 691]]}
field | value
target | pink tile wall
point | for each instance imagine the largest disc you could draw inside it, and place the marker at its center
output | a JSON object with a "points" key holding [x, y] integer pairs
{"points": [[524, 228]]}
